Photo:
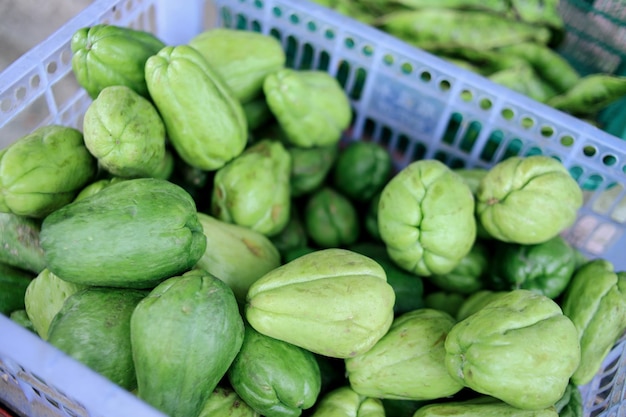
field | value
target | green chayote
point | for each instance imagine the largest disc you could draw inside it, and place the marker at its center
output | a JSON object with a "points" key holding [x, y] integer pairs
{"points": [[331, 219], [362, 169], [96, 187], [333, 302], [310, 106], [527, 200], [345, 402], [475, 302], [293, 236], [44, 170], [480, 407], [236, 254], [273, 377], [468, 276], [408, 362], [310, 167], [253, 189], [595, 301], [205, 123], [124, 131], [545, 267], [519, 348], [426, 218], [447, 301], [225, 402]]}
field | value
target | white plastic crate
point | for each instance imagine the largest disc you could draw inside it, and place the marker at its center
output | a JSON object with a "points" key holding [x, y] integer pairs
{"points": [[415, 104]]}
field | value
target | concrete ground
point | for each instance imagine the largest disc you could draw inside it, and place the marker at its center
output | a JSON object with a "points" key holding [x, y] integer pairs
{"points": [[25, 23]]}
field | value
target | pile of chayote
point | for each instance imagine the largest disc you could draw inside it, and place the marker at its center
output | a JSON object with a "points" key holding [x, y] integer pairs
{"points": [[209, 227]]}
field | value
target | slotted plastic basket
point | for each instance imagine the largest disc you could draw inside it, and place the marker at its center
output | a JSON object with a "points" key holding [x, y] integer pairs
{"points": [[415, 104]]}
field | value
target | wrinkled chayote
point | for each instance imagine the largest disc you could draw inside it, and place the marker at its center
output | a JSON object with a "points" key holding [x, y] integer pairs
{"points": [[333, 302], [253, 189], [106, 55], [426, 218], [241, 58], [225, 402], [236, 254], [205, 123], [519, 348], [276, 378], [480, 407], [124, 131], [595, 300], [345, 402], [310, 106], [408, 362], [44, 170], [528, 199], [331, 219]]}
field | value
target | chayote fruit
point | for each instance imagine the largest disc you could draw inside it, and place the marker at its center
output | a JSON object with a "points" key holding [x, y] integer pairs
{"points": [[185, 334], [333, 302], [446, 301], [236, 254], [426, 218], [96, 187], [310, 167], [44, 297], [545, 267], [257, 113], [253, 189], [469, 274], [205, 123], [519, 348], [44, 170], [225, 402], [241, 58], [106, 55], [362, 169], [273, 377], [370, 222], [407, 363], [345, 402], [480, 407], [309, 105], [595, 301], [124, 131], [472, 177], [331, 219], [571, 403], [293, 236], [527, 200]]}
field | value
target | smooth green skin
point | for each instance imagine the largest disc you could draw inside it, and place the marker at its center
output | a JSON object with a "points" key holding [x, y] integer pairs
{"points": [[475, 302], [241, 58], [481, 407], [185, 334], [362, 169], [124, 131], [204, 122], [331, 219], [408, 288], [408, 362], [333, 302], [595, 301], [13, 285], [468, 276], [225, 402], [44, 170], [253, 190], [345, 402], [44, 297], [310, 167], [236, 254], [144, 230], [273, 377], [519, 348], [257, 113], [106, 55], [96, 187], [527, 200], [309, 105], [93, 327], [545, 268], [19, 243], [426, 218]]}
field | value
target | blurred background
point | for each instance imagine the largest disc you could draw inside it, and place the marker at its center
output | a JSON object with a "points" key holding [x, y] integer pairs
{"points": [[25, 23]]}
